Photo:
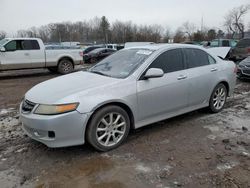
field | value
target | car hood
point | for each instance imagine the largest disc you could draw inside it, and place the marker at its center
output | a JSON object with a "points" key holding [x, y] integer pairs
{"points": [[219, 51], [67, 88], [245, 61]]}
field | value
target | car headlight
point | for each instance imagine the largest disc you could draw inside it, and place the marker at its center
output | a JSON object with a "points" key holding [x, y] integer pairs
{"points": [[43, 109], [241, 66]]}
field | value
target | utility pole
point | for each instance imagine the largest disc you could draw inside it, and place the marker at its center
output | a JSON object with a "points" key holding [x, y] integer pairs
{"points": [[202, 23]]}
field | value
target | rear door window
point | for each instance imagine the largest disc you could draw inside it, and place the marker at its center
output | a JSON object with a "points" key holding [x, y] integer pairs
{"points": [[30, 45], [196, 58], [169, 61]]}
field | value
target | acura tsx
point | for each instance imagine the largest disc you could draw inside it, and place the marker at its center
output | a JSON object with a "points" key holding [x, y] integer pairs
{"points": [[132, 88]]}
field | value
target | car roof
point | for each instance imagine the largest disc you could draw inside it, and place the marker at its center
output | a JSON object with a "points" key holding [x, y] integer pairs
{"points": [[23, 38], [155, 47]]}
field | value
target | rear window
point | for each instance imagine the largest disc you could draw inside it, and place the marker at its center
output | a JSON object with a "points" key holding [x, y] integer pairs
{"points": [[243, 43]]}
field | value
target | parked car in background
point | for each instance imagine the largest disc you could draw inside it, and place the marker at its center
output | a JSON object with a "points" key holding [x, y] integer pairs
{"points": [[91, 48], [132, 88], [58, 47], [134, 44], [244, 68], [29, 53], [97, 55], [222, 43], [241, 50], [114, 46], [192, 42]]}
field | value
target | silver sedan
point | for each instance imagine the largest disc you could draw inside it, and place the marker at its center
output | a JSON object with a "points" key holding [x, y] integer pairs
{"points": [[132, 88]]}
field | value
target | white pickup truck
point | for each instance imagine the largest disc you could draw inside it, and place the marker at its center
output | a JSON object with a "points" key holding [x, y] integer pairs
{"points": [[29, 53]]}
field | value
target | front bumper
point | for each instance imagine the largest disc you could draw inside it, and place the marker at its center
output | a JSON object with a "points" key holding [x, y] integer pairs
{"points": [[56, 130], [243, 72]]}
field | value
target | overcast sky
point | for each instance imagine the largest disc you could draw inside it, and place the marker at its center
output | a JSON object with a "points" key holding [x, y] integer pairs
{"points": [[23, 14]]}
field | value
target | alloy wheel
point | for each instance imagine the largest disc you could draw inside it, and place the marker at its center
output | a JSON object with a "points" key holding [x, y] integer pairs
{"points": [[219, 98], [111, 129]]}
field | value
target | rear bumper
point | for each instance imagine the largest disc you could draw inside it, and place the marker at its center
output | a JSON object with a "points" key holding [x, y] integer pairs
{"points": [[56, 130]]}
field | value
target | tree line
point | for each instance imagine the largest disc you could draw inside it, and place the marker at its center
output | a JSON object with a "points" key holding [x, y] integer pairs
{"points": [[100, 30]]}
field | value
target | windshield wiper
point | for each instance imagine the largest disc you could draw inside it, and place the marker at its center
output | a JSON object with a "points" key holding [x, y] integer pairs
{"points": [[100, 73]]}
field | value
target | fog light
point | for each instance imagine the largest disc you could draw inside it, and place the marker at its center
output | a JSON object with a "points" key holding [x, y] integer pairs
{"points": [[51, 134]]}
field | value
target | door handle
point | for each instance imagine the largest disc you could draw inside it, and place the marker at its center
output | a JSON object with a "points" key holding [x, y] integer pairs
{"points": [[182, 77], [27, 54], [214, 69]]}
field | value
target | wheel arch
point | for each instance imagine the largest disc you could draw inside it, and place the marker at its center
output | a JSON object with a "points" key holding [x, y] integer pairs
{"points": [[66, 57], [121, 105], [226, 84]]}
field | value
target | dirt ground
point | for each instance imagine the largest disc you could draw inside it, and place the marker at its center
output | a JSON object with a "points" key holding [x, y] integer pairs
{"points": [[194, 150]]}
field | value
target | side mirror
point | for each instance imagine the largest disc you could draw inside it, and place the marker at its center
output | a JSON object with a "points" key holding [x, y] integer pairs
{"points": [[154, 73], [2, 49]]}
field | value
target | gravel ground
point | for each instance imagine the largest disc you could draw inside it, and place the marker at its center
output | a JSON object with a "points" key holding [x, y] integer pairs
{"points": [[197, 149]]}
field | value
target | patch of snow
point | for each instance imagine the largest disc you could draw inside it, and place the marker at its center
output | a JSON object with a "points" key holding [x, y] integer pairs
{"points": [[6, 111], [143, 168], [212, 137], [227, 166]]}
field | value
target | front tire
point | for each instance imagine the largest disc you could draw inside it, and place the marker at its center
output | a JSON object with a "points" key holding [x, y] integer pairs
{"points": [[108, 128], [93, 60], [218, 98], [65, 66]]}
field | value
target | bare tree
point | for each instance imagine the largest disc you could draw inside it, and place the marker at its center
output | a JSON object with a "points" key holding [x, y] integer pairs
{"points": [[234, 22], [211, 34], [167, 34], [2, 35], [189, 29], [105, 25], [179, 36], [199, 36], [220, 34]]}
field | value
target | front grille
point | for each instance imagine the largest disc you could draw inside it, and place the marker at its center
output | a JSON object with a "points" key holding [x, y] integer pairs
{"points": [[246, 71], [27, 106]]}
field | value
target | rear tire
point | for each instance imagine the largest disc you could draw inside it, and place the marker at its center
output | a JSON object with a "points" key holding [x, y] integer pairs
{"points": [[65, 66], [108, 128], [218, 98]]}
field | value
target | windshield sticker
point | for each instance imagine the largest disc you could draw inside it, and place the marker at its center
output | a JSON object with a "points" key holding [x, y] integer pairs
{"points": [[144, 52]]}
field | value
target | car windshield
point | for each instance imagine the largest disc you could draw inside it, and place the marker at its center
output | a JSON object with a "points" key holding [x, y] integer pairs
{"points": [[3, 41], [122, 63]]}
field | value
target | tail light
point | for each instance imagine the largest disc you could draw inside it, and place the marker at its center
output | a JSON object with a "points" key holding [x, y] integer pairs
{"points": [[235, 69], [248, 50], [81, 54]]}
